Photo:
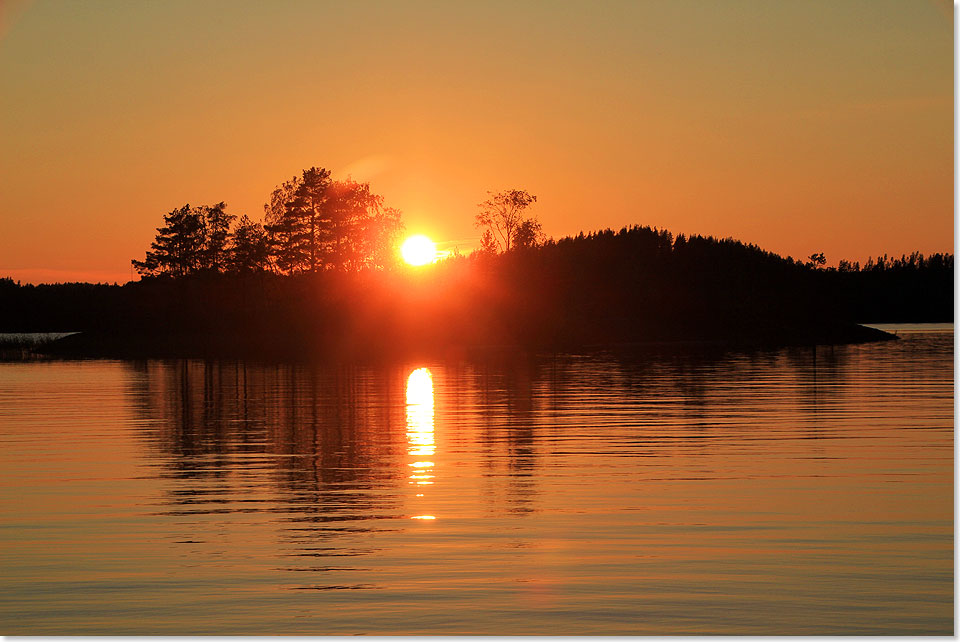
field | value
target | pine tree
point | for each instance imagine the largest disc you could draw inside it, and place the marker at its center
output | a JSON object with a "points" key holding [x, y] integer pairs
{"points": [[179, 245], [294, 221], [217, 224], [315, 223], [249, 249]]}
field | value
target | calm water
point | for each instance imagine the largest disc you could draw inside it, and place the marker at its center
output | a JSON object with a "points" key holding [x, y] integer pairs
{"points": [[767, 493]]}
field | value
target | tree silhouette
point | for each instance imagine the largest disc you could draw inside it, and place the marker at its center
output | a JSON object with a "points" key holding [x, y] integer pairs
{"points": [[488, 245], [179, 245], [217, 232], [528, 234], [193, 239], [294, 219], [501, 216], [382, 237], [817, 260], [350, 208], [315, 223], [249, 248]]}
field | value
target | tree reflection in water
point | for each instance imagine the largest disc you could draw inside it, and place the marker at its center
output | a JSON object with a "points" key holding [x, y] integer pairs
{"points": [[317, 451]]}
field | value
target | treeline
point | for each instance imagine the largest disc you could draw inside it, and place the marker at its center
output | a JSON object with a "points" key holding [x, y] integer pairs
{"points": [[312, 223], [912, 288], [636, 285], [643, 282], [914, 262]]}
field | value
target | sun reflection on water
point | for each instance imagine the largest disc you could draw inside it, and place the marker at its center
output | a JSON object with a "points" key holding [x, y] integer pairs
{"points": [[420, 429]]}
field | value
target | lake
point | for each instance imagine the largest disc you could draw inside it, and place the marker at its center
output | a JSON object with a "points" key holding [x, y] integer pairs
{"points": [[782, 492]]}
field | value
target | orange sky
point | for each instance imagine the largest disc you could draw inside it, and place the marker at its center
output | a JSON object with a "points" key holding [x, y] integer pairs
{"points": [[799, 126]]}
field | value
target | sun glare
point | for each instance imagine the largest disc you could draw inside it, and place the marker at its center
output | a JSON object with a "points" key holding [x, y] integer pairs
{"points": [[418, 250]]}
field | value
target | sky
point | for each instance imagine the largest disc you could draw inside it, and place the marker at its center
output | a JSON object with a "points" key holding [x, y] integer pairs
{"points": [[800, 126]]}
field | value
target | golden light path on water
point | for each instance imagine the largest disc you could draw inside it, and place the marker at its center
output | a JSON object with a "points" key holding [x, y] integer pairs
{"points": [[420, 431]]}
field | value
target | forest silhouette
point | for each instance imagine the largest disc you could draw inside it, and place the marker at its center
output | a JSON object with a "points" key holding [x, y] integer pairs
{"points": [[322, 277]]}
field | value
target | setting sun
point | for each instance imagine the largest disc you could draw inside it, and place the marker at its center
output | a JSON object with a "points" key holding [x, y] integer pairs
{"points": [[418, 250]]}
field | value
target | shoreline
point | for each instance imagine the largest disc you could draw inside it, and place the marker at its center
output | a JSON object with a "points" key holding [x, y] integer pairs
{"points": [[273, 348]]}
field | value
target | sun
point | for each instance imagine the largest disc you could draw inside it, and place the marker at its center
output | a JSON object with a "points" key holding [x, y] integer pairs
{"points": [[418, 250]]}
